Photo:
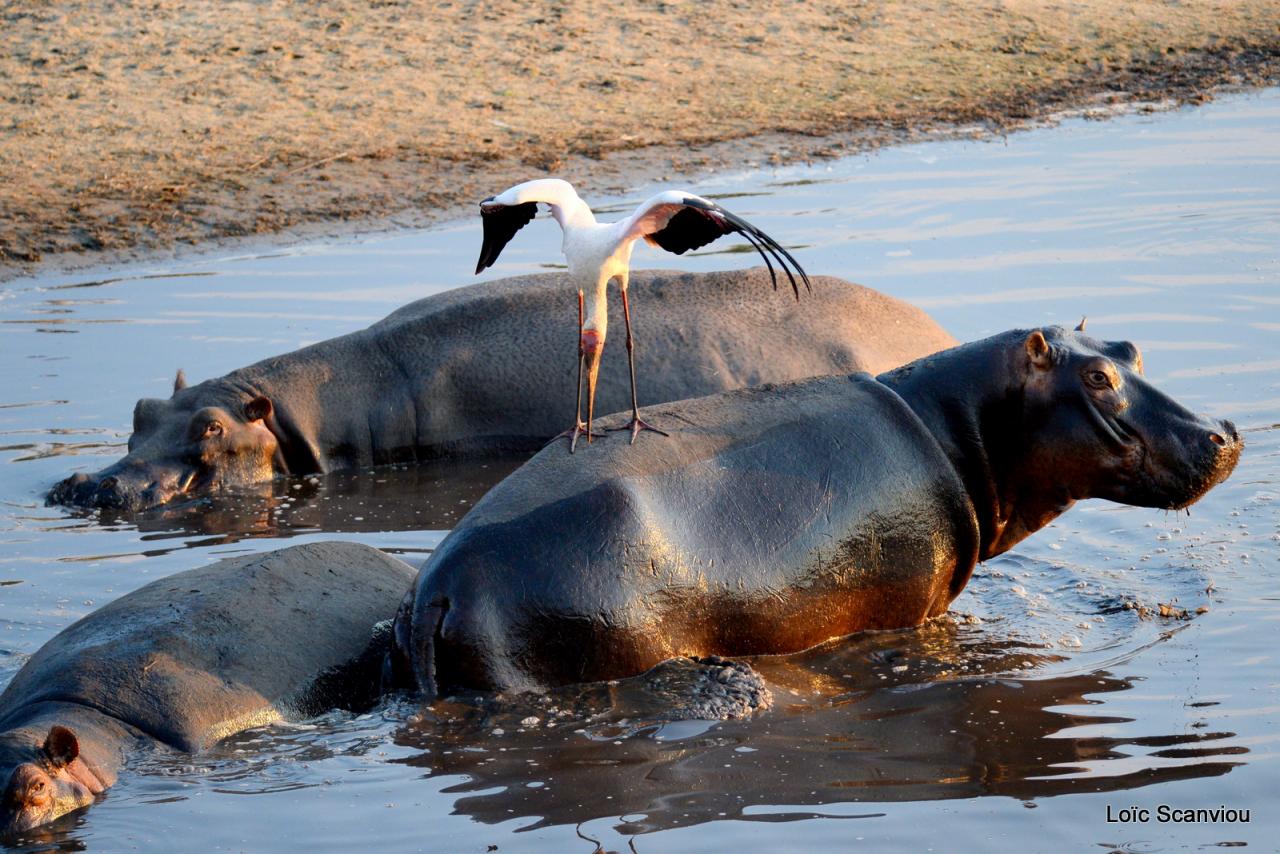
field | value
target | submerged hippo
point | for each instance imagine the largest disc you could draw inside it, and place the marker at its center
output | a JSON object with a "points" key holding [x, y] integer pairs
{"points": [[191, 659], [776, 518], [484, 370]]}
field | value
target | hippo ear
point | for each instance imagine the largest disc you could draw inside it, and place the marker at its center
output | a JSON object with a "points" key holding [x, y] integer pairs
{"points": [[146, 413], [1127, 352], [179, 381], [1080, 325], [258, 409], [61, 746], [1038, 351]]}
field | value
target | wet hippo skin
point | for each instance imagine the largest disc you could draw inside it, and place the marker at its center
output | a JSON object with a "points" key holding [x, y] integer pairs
{"points": [[489, 369], [779, 517], [191, 659]]}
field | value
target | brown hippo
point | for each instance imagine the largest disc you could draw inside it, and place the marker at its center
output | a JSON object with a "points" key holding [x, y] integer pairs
{"points": [[776, 518], [191, 659], [487, 369]]}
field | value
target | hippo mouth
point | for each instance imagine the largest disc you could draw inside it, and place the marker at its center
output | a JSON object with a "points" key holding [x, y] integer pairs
{"points": [[1207, 477], [1172, 480]]}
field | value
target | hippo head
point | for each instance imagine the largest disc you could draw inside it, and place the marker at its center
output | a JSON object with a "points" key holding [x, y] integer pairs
{"points": [[199, 441], [41, 782], [1096, 428], [1036, 420]]}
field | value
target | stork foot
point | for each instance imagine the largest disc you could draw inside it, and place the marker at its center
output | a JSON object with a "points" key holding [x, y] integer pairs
{"points": [[636, 426], [574, 433]]}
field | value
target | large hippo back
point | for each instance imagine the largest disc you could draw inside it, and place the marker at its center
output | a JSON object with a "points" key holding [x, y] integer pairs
{"points": [[772, 519], [500, 359], [490, 369], [199, 655]]}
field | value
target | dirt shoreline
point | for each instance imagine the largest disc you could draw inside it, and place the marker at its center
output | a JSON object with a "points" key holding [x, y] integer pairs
{"points": [[137, 132]]}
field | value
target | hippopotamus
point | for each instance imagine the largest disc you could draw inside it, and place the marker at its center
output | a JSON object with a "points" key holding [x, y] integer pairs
{"points": [[779, 517], [191, 659], [486, 370]]}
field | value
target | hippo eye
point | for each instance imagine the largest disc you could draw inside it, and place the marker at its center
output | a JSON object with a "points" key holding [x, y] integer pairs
{"points": [[1098, 379], [213, 428]]}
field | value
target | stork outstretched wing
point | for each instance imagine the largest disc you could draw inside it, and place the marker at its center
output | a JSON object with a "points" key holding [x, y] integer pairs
{"points": [[677, 222], [501, 222]]}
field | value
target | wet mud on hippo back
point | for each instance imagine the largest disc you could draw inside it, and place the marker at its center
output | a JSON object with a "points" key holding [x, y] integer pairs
{"points": [[489, 369], [777, 518]]}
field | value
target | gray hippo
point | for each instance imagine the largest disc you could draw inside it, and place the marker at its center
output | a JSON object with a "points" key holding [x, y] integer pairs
{"points": [[191, 659], [779, 517], [485, 370]]}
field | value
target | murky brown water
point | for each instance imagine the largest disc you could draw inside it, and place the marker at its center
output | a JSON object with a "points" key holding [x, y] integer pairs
{"points": [[1045, 699]]}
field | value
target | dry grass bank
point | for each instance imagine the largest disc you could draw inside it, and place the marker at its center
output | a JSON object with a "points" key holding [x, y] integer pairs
{"points": [[140, 124]]}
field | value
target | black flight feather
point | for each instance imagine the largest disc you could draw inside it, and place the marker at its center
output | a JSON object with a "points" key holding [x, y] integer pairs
{"points": [[500, 225], [699, 223]]}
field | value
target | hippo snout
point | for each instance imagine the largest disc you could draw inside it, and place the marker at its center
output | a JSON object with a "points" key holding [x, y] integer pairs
{"points": [[1219, 442], [1229, 445], [82, 490], [1211, 457], [110, 494], [116, 489], [69, 487], [1226, 436], [72, 490]]}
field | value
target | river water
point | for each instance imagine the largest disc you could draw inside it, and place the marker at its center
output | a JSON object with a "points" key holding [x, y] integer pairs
{"points": [[1054, 694]]}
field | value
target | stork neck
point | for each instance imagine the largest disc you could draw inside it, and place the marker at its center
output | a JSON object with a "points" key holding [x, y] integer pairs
{"points": [[572, 212]]}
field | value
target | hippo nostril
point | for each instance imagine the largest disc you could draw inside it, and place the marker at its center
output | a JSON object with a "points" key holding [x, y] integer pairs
{"points": [[109, 483]]}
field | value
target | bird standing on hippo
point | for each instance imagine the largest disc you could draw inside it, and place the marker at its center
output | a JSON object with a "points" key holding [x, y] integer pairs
{"points": [[783, 516], [480, 371], [191, 659], [599, 252]]}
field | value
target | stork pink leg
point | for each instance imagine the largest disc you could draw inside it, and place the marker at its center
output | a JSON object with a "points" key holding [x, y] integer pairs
{"points": [[579, 428], [635, 425]]}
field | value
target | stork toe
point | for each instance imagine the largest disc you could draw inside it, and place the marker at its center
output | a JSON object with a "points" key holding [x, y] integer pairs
{"points": [[574, 433], [636, 426]]}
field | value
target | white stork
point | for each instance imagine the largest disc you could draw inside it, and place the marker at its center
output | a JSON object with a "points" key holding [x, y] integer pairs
{"points": [[597, 252]]}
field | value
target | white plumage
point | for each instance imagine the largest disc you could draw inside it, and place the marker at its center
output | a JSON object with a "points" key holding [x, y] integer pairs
{"points": [[598, 252]]}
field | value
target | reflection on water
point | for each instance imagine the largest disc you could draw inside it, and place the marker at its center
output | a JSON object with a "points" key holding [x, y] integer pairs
{"points": [[431, 497], [882, 718], [1054, 689]]}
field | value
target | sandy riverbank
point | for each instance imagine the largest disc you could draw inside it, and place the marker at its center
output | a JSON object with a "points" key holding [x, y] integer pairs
{"points": [[136, 126]]}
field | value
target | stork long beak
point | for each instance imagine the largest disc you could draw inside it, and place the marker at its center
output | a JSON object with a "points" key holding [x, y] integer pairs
{"points": [[592, 347]]}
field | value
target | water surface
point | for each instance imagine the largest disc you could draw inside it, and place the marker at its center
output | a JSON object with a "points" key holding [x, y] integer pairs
{"points": [[1053, 691]]}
